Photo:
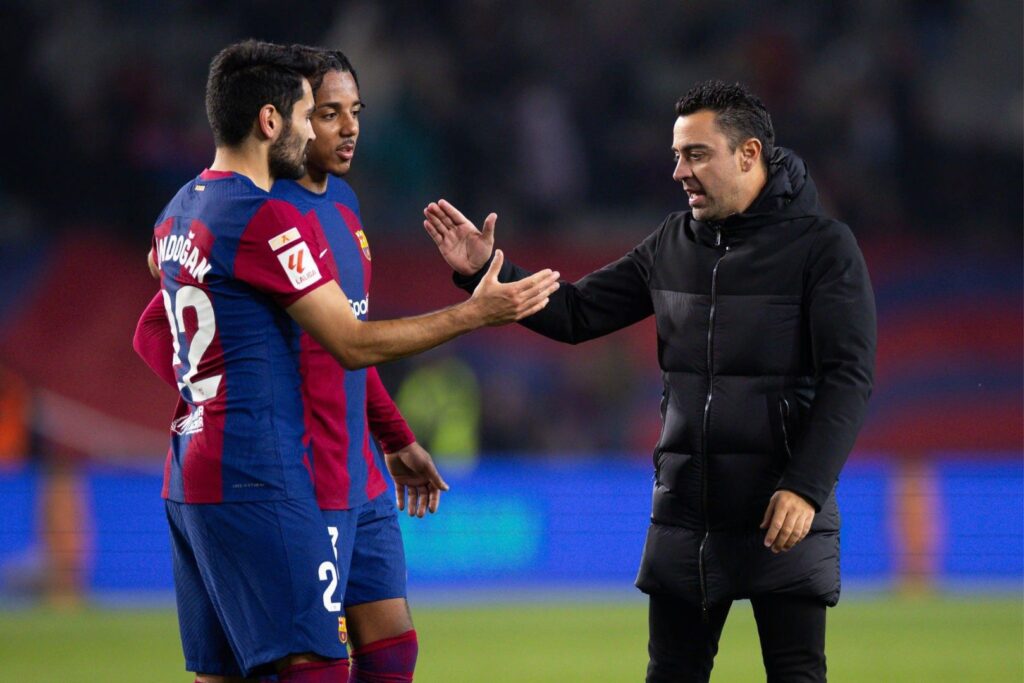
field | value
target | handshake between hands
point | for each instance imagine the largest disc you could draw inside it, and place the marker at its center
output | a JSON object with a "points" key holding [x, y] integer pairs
{"points": [[467, 249]]}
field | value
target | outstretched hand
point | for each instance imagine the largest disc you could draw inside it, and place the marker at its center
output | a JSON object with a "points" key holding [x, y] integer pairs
{"points": [[499, 303], [463, 246], [416, 479]]}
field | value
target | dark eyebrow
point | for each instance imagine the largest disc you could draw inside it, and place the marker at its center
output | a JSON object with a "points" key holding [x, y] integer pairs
{"points": [[337, 105], [697, 146]]}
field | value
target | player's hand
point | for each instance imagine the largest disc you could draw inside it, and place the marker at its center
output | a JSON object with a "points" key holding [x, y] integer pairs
{"points": [[498, 303], [416, 479], [788, 520], [465, 248]]}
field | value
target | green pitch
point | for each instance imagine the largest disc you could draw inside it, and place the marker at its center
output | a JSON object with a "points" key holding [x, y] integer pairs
{"points": [[929, 640]]}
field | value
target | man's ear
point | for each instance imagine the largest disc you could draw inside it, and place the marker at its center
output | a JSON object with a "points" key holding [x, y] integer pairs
{"points": [[268, 122], [750, 153]]}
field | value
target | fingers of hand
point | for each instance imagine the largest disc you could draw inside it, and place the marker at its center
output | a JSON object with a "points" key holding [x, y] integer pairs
{"points": [[489, 224], [789, 526], [452, 214], [536, 308], [769, 512], [435, 499], [492, 272], [440, 220], [543, 283], [434, 233], [424, 501], [784, 539], [400, 494], [434, 479], [413, 500]]}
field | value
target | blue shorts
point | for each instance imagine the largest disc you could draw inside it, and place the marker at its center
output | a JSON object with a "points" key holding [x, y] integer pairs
{"points": [[254, 582], [371, 558]]}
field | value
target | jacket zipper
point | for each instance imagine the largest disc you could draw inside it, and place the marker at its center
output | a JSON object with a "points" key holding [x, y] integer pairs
{"points": [[784, 414], [704, 431]]}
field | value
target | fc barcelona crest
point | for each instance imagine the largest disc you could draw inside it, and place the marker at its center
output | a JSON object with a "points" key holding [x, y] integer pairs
{"points": [[342, 630], [363, 243]]}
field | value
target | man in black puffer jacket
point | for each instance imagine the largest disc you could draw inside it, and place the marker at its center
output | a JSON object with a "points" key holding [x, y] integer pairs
{"points": [[766, 337]]}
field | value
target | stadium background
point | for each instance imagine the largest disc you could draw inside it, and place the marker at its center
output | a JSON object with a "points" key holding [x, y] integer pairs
{"points": [[558, 117]]}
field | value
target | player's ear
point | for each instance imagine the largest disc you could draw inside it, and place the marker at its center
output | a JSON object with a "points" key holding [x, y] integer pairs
{"points": [[268, 122]]}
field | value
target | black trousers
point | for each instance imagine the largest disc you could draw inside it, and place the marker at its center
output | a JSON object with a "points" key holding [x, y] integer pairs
{"points": [[683, 644]]}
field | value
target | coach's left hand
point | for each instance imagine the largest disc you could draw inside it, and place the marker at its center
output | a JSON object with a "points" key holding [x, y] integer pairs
{"points": [[787, 519], [416, 477]]}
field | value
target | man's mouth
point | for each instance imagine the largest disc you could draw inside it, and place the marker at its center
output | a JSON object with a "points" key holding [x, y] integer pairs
{"points": [[346, 151], [696, 197]]}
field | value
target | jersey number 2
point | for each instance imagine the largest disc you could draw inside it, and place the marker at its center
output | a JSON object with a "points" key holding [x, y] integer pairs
{"points": [[196, 299], [329, 571]]}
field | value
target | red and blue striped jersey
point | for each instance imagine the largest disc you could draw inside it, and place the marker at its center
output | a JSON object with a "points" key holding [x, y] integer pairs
{"points": [[347, 462], [231, 259]]}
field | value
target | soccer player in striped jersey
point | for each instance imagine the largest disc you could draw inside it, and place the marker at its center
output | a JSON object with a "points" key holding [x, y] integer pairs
{"points": [[349, 478], [242, 275]]}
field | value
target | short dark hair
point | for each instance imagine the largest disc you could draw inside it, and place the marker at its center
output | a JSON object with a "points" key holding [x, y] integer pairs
{"points": [[326, 61], [738, 112], [246, 76]]}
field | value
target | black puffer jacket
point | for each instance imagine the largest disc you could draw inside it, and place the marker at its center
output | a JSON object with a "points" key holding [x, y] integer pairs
{"points": [[766, 337]]}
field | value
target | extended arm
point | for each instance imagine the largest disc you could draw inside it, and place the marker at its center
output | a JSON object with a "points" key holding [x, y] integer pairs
{"points": [[606, 300], [327, 316]]}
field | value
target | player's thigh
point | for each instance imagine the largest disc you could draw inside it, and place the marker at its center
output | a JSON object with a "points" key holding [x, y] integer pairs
{"points": [[377, 571], [378, 620], [203, 640], [341, 528], [270, 570]]}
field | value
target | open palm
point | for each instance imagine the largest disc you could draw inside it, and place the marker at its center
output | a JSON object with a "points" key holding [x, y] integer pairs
{"points": [[462, 245]]}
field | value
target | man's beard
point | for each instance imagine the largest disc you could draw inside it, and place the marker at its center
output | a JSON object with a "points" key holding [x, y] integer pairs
{"points": [[283, 163]]}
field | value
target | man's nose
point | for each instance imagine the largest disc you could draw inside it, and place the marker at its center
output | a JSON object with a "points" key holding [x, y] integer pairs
{"points": [[682, 171], [349, 126]]}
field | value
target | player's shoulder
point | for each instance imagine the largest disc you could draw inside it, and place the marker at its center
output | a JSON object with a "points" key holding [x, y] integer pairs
{"points": [[219, 199], [338, 190]]}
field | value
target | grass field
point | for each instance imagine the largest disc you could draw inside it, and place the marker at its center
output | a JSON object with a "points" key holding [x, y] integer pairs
{"points": [[929, 640]]}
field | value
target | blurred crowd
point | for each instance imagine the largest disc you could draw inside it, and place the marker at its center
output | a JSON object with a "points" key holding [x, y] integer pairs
{"points": [[557, 116]]}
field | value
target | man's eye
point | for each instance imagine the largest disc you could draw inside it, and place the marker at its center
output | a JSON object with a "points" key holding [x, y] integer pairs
{"points": [[330, 117]]}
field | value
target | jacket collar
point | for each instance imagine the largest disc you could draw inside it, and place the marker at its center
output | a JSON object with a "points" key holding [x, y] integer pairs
{"points": [[789, 193]]}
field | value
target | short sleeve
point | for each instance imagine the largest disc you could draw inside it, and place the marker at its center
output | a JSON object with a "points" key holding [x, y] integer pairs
{"points": [[279, 253]]}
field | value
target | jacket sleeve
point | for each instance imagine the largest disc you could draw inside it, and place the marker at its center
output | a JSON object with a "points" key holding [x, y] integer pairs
{"points": [[152, 341], [841, 314], [386, 422], [602, 302]]}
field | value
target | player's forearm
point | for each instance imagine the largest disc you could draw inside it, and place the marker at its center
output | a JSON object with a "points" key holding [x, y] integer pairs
{"points": [[152, 341], [326, 315], [387, 425], [378, 342], [602, 302]]}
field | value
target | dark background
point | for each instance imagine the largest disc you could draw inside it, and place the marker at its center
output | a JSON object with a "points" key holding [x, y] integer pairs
{"points": [[558, 116]]}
